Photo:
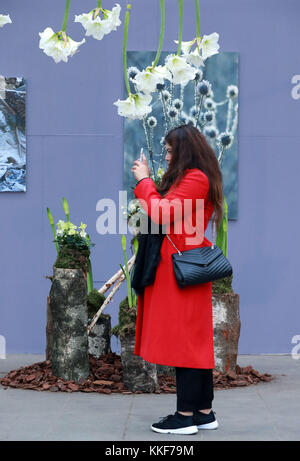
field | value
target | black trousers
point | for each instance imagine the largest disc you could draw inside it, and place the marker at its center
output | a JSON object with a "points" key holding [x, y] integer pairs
{"points": [[194, 388]]}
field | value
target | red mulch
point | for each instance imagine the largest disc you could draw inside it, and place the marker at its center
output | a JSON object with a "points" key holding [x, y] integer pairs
{"points": [[106, 377]]}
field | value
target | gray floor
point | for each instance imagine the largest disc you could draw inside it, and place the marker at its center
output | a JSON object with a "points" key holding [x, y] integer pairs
{"points": [[267, 411]]}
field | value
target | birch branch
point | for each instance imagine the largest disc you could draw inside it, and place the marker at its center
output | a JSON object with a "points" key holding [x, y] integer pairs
{"points": [[115, 277]]}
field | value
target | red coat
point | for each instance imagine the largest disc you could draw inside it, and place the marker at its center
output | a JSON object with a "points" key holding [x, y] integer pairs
{"points": [[174, 325]]}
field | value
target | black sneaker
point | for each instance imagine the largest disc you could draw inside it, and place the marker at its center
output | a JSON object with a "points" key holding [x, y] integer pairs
{"points": [[203, 421], [175, 424]]}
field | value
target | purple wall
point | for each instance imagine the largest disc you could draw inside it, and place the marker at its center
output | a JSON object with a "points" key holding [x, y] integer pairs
{"points": [[75, 149]]}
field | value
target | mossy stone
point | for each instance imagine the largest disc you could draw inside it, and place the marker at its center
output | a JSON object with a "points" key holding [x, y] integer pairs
{"points": [[72, 258], [222, 285]]}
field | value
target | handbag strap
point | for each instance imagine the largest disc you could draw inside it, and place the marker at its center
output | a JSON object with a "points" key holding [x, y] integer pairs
{"points": [[214, 239]]}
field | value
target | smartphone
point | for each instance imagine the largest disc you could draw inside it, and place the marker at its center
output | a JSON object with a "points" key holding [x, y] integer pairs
{"points": [[142, 151]]}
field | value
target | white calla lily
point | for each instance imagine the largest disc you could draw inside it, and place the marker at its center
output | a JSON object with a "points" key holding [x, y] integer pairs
{"points": [[209, 45], [97, 27], [136, 106], [58, 45], [4, 19]]}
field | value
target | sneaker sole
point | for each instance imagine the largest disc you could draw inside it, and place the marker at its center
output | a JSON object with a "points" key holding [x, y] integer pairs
{"points": [[213, 425], [183, 430]]}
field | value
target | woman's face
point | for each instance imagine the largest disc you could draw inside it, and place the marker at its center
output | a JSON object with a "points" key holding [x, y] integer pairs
{"points": [[169, 153]]}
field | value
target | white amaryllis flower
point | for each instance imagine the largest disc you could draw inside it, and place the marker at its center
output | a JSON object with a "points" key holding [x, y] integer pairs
{"points": [[97, 27], [147, 80], [136, 106], [209, 45], [162, 71], [58, 45], [192, 57], [4, 19], [181, 71]]}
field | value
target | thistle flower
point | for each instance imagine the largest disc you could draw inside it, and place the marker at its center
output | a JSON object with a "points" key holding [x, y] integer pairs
{"points": [[198, 75], [204, 87], [209, 116], [136, 106], [178, 104], [194, 111], [58, 45], [211, 131], [166, 95], [232, 91], [132, 73], [152, 122], [172, 113], [209, 104], [225, 139], [4, 19], [97, 27], [160, 86]]}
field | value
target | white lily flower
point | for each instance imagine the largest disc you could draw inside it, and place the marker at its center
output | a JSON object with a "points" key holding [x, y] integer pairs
{"points": [[147, 80], [97, 27], [209, 45], [186, 46], [136, 106], [4, 19], [195, 58], [162, 71], [181, 71], [58, 45]]}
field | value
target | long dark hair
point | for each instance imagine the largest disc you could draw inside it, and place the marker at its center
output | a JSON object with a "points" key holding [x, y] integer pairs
{"points": [[191, 150]]}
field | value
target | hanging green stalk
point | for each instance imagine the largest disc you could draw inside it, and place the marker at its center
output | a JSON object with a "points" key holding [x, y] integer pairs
{"points": [[180, 6], [222, 231], [198, 18], [162, 32], [66, 209], [64, 26], [51, 220], [125, 35], [126, 273], [98, 3]]}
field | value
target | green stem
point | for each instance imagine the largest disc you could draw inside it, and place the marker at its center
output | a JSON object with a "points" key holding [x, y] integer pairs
{"points": [[89, 277], [98, 3], [53, 228], [162, 31], [66, 15], [180, 5], [198, 18], [125, 35]]}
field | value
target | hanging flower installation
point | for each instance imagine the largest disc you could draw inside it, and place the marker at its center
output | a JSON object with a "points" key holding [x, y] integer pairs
{"points": [[168, 82], [100, 22], [57, 44], [97, 23], [4, 19]]}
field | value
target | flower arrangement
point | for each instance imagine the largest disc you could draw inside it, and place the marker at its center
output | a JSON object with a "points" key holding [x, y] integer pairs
{"points": [[72, 245]]}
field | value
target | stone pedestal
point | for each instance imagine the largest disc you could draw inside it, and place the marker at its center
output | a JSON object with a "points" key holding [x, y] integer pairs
{"points": [[226, 322], [99, 337], [138, 375], [67, 336]]}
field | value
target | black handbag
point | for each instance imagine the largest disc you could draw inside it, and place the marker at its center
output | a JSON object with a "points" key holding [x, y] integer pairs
{"points": [[200, 265]]}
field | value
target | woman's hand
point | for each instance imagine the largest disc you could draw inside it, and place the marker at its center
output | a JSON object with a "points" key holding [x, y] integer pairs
{"points": [[140, 169]]}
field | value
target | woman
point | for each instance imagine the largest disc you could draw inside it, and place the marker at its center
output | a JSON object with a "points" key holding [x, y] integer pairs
{"points": [[174, 325]]}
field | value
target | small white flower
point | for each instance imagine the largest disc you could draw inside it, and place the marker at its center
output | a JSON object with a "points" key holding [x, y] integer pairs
{"points": [[209, 104], [136, 106], [4, 19], [209, 45], [58, 45], [166, 95], [97, 27], [133, 205], [178, 104]]}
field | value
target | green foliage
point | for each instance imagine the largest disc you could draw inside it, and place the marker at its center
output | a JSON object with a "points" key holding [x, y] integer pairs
{"points": [[94, 302], [222, 231], [127, 319], [222, 285]]}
